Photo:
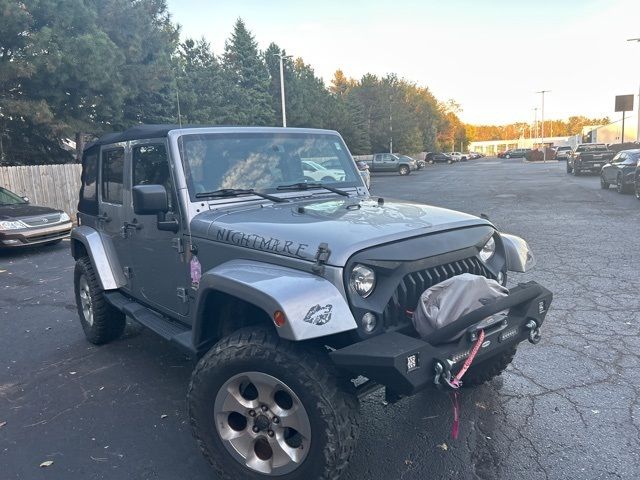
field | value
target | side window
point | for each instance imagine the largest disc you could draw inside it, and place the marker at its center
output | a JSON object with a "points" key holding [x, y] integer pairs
{"points": [[151, 167], [90, 175], [112, 175], [377, 158], [88, 202]]}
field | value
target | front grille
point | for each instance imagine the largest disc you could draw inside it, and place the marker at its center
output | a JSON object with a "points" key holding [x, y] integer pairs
{"points": [[406, 297], [41, 220]]}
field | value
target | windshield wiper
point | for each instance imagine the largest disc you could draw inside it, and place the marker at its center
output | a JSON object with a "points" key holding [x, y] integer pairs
{"points": [[310, 185], [234, 192]]}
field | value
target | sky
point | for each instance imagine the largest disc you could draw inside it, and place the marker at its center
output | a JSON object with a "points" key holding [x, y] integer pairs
{"points": [[490, 56]]}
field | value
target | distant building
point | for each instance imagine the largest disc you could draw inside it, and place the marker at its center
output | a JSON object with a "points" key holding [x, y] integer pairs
{"points": [[493, 147], [612, 133]]}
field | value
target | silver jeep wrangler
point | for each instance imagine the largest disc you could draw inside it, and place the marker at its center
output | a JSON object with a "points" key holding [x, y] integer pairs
{"points": [[294, 291]]}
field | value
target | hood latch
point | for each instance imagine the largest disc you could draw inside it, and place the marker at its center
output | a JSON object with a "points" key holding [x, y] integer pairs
{"points": [[322, 255]]}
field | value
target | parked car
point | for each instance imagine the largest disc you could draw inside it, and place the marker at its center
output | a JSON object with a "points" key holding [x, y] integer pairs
{"points": [[433, 157], [502, 154], [419, 163], [390, 162], [23, 224], [473, 155], [363, 168], [457, 156], [621, 171], [562, 153], [314, 171], [285, 291], [589, 157], [516, 153]]}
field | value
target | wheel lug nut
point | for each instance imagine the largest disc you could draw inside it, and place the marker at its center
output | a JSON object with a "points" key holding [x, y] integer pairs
{"points": [[264, 408], [276, 420], [255, 429], [252, 413], [270, 433]]}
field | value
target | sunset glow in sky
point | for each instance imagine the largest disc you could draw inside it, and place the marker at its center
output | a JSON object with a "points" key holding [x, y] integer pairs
{"points": [[490, 56]]}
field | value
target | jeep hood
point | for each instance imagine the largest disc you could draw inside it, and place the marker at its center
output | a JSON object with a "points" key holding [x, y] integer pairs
{"points": [[346, 225]]}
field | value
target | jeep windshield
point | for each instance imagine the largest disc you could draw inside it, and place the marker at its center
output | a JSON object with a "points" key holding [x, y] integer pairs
{"points": [[265, 162]]}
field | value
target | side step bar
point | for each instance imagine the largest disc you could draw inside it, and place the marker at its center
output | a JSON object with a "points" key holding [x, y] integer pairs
{"points": [[168, 329]]}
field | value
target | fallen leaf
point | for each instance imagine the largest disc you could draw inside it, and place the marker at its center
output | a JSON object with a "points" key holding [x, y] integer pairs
{"points": [[443, 447], [46, 463], [481, 405], [595, 411], [2, 424], [163, 416], [72, 373]]}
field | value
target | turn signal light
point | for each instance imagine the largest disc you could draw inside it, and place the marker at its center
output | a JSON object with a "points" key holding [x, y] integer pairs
{"points": [[279, 318]]}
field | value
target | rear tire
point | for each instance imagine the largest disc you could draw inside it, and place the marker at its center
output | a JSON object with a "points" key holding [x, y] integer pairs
{"points": [[604, 184], [236, 389], [636, 188], [100, 321], [404, 170], [488, 369], [576, 172], [569, 168]]}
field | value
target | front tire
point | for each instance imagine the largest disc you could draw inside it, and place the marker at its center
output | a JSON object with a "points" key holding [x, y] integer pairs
{"points": [[603, 183], [100, 321], [620, 186], [263, 407], [569, 168], [488, 369], [636, 188], [404, 170]]}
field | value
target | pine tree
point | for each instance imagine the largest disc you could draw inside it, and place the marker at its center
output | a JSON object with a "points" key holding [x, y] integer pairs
{"points": [[248, 79]]}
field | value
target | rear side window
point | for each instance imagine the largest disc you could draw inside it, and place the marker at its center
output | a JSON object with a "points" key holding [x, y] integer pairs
{"points": [[89, 189], [112, 175]]}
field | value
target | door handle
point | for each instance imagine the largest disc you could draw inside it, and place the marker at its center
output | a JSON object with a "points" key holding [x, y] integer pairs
{"points": [[126, 226], [103, 217]]}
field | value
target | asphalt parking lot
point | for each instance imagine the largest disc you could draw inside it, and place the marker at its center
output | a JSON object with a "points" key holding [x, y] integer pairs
{"points": [[567, 408]]}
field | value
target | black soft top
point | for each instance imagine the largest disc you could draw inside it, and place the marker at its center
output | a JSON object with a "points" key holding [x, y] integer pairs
{"points": [[139, 132]]}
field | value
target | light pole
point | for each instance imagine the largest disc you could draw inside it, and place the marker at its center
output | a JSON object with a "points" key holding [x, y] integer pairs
{"points": [[638, 131], [544, 150], [284, 109], [535, 124]]}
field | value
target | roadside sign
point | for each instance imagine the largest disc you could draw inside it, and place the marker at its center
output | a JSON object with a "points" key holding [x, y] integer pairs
{"points": [[624, 103]]}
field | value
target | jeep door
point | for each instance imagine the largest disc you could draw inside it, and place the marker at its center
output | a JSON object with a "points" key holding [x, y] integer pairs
{"points": [[112, 197], [159, 267]]}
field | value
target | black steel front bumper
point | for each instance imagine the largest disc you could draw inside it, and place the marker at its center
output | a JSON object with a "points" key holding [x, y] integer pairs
{"points": [[406, 364]]}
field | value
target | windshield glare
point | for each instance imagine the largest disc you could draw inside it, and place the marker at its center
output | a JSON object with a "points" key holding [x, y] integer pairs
{"points": [[9, 198], [264, 161]]}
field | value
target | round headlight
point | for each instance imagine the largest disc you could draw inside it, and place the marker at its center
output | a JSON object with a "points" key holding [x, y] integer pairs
{"points": [[362, 280], [488, 250]]}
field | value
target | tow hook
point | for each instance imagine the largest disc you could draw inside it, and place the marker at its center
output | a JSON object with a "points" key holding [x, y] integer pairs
{"points": [[442, 372], [534, 331]]}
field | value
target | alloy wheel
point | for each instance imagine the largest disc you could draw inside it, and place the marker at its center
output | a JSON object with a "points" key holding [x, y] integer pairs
{"points": [[85, 300], [262, 423]]}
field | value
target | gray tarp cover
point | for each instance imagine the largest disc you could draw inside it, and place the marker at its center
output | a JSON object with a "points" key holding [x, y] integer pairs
{"points": [[447, 301]]}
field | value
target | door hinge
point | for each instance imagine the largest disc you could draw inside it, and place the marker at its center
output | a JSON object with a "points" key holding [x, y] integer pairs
{"points": [[183, 294], [128, 272], [178, 244]]}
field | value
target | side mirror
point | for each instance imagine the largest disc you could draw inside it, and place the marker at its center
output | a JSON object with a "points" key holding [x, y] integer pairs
{"points": [[26, 199], [150, 199]]}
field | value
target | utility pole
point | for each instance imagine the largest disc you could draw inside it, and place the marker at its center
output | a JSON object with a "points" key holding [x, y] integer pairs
{"points": [[390, 123], [535, 124], [544, 150], [637, 131], [284, 108]]}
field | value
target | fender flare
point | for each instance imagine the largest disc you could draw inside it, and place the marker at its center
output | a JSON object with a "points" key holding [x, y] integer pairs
{"points": [[519, 256], [313, 306], [110, 278]]}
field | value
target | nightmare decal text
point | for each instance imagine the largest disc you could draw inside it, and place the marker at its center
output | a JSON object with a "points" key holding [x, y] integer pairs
{"points": [[258, 242]]}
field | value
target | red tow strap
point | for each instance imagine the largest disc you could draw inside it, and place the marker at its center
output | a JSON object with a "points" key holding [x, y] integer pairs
{"points": [[456, 384]]}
